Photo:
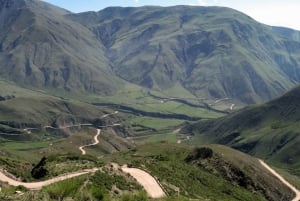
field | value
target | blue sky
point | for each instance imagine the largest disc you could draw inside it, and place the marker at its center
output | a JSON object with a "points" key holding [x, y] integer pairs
{"points": [[273, 12]]}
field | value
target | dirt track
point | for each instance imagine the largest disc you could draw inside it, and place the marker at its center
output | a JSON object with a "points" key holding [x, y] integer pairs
{"points": [[146, 180], [39, 185], [296, 191], [96, 141]]}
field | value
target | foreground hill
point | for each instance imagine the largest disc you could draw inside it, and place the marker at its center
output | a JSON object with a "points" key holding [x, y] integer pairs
{"points": [[270, 131], [212, 52], [213, 172]]}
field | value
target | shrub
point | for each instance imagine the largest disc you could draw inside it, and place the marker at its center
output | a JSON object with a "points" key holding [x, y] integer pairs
{"points": [[39, 171], [63, 189], [199, 153]]}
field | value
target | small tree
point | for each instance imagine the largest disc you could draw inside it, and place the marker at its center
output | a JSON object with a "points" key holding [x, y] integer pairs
{"points": [[39, 171]]}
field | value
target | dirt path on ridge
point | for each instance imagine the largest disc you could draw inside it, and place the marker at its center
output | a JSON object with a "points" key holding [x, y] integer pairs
{"points": [[40, 184], [149, 183], [295, 190]]}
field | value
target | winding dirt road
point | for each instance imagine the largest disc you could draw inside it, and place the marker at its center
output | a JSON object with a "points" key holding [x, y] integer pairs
{"points": [[96, 141], [295, 190], [39, 185], [149, 183]]}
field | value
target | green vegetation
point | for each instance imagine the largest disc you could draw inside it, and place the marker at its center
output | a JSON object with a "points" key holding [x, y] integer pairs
{"points": [[154, 123], [19, 167], [182, 64], [218, 61], [213, 172], [106, 185], [167, 162], [96, 187], [21, 146], [171, 137], [61, 190], [269, 131]]}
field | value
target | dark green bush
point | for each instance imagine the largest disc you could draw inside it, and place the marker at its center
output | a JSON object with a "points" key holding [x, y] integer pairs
{"points": [[199, 153]]}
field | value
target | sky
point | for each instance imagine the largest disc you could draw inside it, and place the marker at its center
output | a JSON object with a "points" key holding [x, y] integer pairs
{"points": [[284, 13]]}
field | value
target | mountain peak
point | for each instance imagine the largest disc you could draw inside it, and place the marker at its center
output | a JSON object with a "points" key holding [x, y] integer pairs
{"points": [[47, 49], [34, 5], [6, 4]]}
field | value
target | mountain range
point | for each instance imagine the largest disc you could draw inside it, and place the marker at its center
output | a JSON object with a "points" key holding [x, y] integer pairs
{"points": [[210, 52], [155, 83]]}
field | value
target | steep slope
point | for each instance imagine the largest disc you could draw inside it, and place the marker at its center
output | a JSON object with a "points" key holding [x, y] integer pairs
{"points": [[212, 172], [212, 52], [41, 48], [22, 108], [270, 131]]}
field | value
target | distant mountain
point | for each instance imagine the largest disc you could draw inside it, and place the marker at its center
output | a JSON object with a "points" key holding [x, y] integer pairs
{"points": [[210, 52], [40, 47], [270, 131], [213, 52]]}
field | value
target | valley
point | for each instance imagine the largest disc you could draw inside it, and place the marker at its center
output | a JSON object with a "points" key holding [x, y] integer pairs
{"points": [[147, 103]]}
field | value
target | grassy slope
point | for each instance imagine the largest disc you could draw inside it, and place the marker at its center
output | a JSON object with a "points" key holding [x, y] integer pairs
{"points": [[207, 52], [214, 178], [269, 131], [166, 161], [186, 50], [36, 107], [23, 108], [54, 52]]}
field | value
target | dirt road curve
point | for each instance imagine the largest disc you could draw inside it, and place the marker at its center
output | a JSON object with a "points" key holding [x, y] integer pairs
{"points": [[96, 141], [39, 185], [146, 180], [296, 191]]}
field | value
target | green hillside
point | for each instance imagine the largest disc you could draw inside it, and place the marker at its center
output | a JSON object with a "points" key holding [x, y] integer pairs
{"points": [[40, 47], [211, 52], [22, 108], [213, 172], [146, 87], [269, 131]]}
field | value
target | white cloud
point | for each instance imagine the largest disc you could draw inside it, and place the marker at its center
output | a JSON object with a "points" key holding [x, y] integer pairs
{"points": [[276, 14], [198, 3], [201, 2]]}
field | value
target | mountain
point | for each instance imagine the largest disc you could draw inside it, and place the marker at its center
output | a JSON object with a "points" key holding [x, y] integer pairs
{"points": [[212, 52], [269, 131], [180, 55], [39, 47]]}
